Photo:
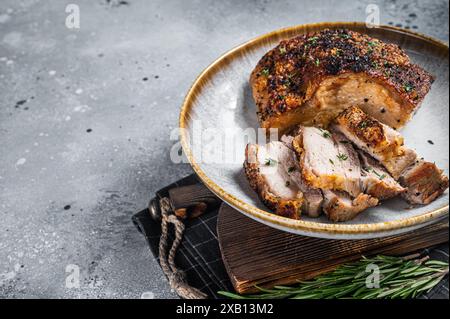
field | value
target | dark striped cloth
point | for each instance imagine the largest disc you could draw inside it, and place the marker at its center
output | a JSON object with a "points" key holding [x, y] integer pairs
{"points": [[199, 254]]}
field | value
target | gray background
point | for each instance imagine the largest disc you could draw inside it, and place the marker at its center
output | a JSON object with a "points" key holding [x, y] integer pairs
{"points": [[123, 75]]}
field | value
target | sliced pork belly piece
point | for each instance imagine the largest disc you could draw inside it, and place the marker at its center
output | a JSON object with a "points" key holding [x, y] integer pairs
{"points": [[380, 141], [325, 162], [313, 198], [267, 169], [340, 207], [424, 182], [376, 180]]}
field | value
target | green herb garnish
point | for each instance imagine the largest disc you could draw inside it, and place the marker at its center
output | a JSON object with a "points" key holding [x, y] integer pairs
{"points": [[342, 157], [408, 87], [313, 40], [265, 72], [288, 183], [363, 124], [331, 161], [380, 176], [325, 133], [317, 62], [270, 162], [282, 50], [400, 278], [291, 169]]}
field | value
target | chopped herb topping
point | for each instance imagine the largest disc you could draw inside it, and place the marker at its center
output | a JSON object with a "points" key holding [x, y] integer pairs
{"points": [[265, 72], [313, 40], [288, 183], [380, 176], [363, 124], [342, 157], [282, 50], [344, 142], [345, 36], [291, 169], [408, 87], [338, 52], [325, 133], [372, 44], [331, 161], [317, 62], [270, 162]]}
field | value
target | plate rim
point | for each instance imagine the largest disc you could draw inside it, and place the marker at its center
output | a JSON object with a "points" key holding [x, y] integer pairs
{"points": [[271, 218]]}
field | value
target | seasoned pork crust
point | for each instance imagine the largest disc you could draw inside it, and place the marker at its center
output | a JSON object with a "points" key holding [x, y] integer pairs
{"points": [[311, 78]]}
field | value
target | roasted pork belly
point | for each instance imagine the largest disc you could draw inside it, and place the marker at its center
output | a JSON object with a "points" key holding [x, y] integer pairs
{"points": [[327, 162], [313, 198], [423, 181], [376, 180], [311, 78], [268, 171], [380, 141], [341, 207]]}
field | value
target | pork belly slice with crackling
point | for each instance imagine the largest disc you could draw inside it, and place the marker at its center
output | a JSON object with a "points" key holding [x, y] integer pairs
{"points": [[380, 141], [423, 181], [267, 169], [341, 207], [313, 198], [326, 162], [376, 180], [311, 78]]}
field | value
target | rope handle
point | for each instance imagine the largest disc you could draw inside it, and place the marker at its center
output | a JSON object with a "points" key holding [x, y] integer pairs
{"points": [[177, 278]]}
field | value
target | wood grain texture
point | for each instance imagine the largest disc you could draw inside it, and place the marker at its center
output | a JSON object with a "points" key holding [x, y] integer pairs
{"points": [[255, 254]]}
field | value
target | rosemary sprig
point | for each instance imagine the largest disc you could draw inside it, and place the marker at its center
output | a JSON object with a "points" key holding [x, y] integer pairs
{"points": [[380, 176], [406, 277]]}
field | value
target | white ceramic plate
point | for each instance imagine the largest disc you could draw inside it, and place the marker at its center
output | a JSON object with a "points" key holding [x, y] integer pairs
{"points": [[220, 101]]}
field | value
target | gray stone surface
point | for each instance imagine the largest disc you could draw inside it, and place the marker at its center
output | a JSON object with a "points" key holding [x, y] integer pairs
{"points": [[57, 83]]}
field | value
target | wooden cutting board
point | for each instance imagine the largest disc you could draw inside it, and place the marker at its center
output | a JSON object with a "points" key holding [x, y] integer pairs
{"points": [[255, 254]]}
